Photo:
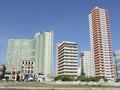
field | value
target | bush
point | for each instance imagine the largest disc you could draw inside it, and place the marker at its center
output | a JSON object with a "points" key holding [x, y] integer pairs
{"points": [[57, 78], [118, 80], [95, 79], [64, 78], [83, 79]]}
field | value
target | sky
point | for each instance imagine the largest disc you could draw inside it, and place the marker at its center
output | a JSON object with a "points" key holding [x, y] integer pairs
{"points": [[68, 19]]}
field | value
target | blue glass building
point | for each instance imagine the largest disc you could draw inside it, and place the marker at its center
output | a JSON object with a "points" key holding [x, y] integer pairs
{"points": [[117, 62]]}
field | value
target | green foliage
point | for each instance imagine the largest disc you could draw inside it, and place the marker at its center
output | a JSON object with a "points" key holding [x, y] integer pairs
{"points": [[57, 78], [1, 76], [94, 79], [67, 78], [40, 74], [64, 78], [118, 80], [84, 79]]}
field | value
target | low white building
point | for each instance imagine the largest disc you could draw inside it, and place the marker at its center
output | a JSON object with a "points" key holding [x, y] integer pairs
{"points": [[26, 68]]}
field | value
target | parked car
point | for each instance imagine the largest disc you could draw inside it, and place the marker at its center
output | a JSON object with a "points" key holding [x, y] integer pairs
{"points": [[29, 78]]}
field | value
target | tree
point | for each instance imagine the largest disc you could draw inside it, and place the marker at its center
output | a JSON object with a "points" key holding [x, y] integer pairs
{"points": [[83, 79], [64, 78], [118, 80], [67, 78], [57, 78], [95, 79]]}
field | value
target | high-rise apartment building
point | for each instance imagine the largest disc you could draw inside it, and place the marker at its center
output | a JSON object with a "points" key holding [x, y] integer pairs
{"points": [[87, 67], [37, 51], [67, 59], [19, 49], [101, 43], [116, 55], [44, 52]]}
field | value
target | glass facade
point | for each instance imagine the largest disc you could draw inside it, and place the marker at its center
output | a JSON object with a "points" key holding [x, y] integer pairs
{"points": [[18, 49], [38, 49], [117, 62], [44, 52]]}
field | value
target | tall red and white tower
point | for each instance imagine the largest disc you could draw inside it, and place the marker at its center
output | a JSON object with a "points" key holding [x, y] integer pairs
{"points": [[100, 41]]}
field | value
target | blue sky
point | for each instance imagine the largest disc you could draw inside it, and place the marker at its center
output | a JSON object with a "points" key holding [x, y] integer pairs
{"points": [[67, 18]]}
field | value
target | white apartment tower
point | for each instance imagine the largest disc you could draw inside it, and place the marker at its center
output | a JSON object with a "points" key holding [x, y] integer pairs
{"points": [[44, 52], [100, 40], [67, 59], [87, 67]]}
